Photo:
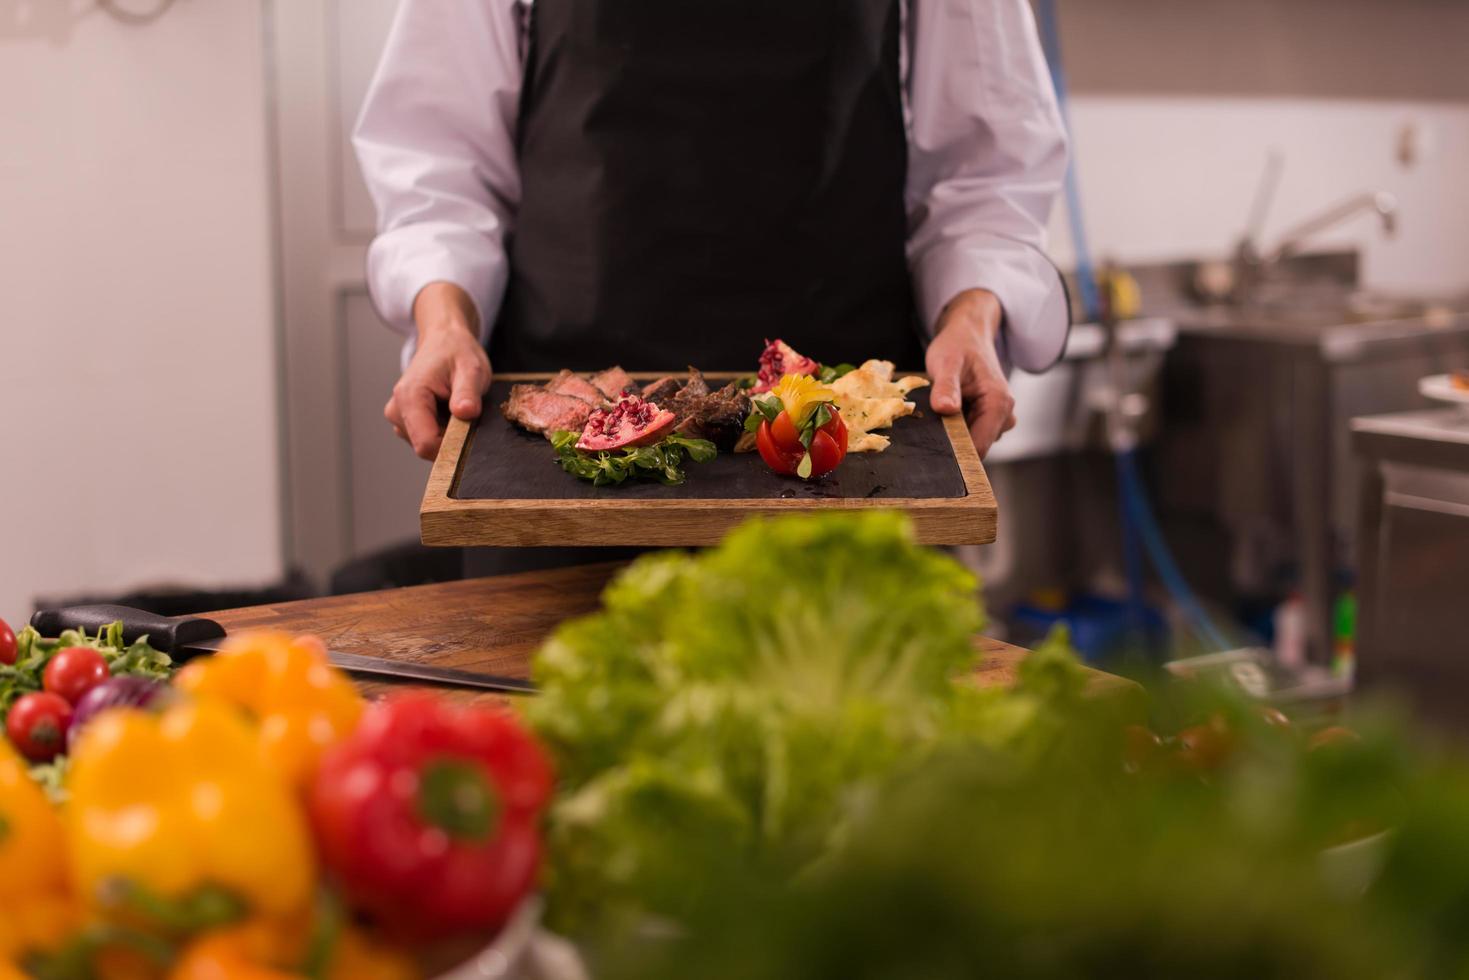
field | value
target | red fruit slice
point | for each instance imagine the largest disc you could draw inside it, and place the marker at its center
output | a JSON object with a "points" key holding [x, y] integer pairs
{"points": [[787, 439], [777, 459], [631, 422], [779, 359], [826, 453]]}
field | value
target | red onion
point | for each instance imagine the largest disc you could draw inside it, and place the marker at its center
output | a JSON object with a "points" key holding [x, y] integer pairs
{"points": [[127, 691]]}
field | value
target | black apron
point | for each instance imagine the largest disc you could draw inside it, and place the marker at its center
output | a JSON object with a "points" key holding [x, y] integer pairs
{"points": [[698, 176]]}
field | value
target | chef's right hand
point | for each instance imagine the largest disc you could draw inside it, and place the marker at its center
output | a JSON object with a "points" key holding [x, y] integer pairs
{"points": [[449, 365]]}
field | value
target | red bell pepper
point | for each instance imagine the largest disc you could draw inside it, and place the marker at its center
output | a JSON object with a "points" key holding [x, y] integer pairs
{"points": [[427, 816]]}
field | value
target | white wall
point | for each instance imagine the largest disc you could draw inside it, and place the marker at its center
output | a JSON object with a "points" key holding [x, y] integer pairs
{"points": [[138, 411], [1174, 178]]}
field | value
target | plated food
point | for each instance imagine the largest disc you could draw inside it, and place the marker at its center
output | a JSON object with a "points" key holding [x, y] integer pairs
{"points": [[606, 428], [870, 399], [798, 429], [1451, 388], [569, 402]]}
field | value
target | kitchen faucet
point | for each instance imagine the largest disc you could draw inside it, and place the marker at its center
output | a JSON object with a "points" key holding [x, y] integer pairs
{"points": [[1383, 203], [1252, 266]]}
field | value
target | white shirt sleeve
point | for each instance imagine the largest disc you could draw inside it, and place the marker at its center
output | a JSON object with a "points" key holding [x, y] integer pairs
{"points": [[436, 142], [987, 156]]}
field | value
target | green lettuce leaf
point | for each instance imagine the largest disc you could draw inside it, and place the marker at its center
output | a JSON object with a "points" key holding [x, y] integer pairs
{"points": [[732, 705]]}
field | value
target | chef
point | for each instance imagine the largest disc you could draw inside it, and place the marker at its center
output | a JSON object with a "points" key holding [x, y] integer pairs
{"points": [[655, 183]]}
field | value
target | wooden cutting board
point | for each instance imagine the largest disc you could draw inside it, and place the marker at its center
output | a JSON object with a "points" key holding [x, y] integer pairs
{"points": [[495, 484], [496, 624]]}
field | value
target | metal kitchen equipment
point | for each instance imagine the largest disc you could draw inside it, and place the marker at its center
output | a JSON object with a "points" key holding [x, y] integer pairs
{"points": [[1255, 466], [1254, 267], [1413, 559]]}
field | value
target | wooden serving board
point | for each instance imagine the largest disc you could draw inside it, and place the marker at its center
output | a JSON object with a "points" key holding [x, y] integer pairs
{"points": [[495, 484]]}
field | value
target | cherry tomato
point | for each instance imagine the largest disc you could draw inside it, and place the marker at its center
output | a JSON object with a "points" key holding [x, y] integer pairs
{"points": [[73, 671], [780, 445], [37, 725], [782, 462], [787, 439], [826, 453], [7, 643], [837, 429], [1207, 747]]}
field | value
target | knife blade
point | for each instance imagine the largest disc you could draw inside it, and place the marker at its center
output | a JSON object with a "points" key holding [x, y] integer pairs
{"points": [[184, 636]]}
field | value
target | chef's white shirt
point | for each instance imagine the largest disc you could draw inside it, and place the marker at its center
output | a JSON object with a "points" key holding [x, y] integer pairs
{"points": [[986, 157]]}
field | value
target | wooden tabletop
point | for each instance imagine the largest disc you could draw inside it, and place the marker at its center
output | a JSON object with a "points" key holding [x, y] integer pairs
{"points": [[493, 625]]}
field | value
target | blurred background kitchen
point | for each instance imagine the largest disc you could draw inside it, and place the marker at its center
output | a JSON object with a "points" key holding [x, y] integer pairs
{"points": [[1236, 454]]}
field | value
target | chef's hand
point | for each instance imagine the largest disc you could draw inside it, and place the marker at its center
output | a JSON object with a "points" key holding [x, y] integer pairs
{"points": [[449, 365], [966, 369]]}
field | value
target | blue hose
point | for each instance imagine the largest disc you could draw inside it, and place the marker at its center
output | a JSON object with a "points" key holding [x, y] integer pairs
{"points": [[1091, 299], [1132, 564], [1138, 523], [1139, 518]]}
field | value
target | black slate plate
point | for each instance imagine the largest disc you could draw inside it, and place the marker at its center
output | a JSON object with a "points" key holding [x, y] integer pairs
{"points": [[504, 462]]}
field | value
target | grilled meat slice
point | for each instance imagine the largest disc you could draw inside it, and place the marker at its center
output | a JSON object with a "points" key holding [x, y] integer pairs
{"points": [[567, 383], [691, 395], [718, 416], [662, 391], [540, 410], [613, 382]]}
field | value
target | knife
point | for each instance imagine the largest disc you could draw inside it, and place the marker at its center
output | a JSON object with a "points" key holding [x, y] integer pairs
{"points": [[185, 636]]}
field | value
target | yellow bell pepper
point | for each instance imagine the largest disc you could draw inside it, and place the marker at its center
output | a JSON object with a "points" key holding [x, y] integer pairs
{"points": [[266, 949], [175, 822], [799, 395], [37, 911], [302, 704]]}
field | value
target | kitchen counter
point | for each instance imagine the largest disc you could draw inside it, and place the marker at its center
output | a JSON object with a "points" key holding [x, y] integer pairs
{"points": [[495, 625], [1413, 523]]}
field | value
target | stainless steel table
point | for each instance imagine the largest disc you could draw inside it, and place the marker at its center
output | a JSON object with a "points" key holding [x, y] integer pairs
{"points": [[1413, 559]]}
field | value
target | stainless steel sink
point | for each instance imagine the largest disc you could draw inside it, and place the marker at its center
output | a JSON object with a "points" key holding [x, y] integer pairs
{"points": [[1257, 404], [1342, 327]]}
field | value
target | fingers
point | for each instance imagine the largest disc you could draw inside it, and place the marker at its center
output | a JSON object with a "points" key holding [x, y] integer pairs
{"points": [[471, 378], [448, 365], [965, 369], [395, 418], [946, 367], [992, 415], [419, 408]]}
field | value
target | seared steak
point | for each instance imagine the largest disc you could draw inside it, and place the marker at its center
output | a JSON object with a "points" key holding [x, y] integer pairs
{"points": [[613, 382], [567, 400], [691, 395], [540, 410], [717, 416], [662, 390], [576, 386]]}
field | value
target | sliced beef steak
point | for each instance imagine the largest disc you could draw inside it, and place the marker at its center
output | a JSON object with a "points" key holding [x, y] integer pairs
{"points": [[567, 383], [541, 410], [613, 382], [718, 416], [567, 400], [691, 395], [662, 390]]}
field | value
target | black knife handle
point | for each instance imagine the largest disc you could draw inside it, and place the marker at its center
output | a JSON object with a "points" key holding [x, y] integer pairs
{"points": [[166, 633]]}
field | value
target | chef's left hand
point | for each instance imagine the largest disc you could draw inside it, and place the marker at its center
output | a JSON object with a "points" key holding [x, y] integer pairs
{"points": [[966, 369]]}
